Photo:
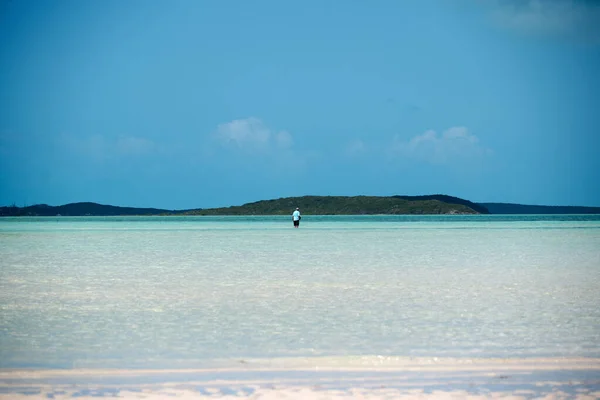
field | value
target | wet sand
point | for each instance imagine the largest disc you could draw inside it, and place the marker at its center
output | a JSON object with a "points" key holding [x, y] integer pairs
{"points": [[322, 378]]}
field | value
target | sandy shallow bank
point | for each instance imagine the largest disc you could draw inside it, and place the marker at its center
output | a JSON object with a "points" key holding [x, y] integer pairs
{"points": [[321, 378]]}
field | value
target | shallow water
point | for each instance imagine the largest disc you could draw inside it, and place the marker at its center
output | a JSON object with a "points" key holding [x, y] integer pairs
{"points": [[164, 292]]}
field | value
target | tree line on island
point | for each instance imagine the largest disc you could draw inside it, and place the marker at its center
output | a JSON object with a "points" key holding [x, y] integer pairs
{"points": [[312, 205]]}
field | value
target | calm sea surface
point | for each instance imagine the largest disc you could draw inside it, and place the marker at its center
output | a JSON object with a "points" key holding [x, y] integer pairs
{"points": [[196, 291]]}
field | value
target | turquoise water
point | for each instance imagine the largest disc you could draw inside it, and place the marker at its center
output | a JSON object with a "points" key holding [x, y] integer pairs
{"points": [[166, 292]]}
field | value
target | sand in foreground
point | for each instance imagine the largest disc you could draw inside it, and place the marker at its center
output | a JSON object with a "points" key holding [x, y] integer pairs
{"points": [[362, 378]]}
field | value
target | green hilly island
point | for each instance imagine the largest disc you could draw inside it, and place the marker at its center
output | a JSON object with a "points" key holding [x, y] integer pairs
{"points": [[310, 205], [351, 205]]}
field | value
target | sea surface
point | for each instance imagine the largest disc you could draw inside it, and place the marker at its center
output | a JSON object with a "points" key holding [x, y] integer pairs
{"points": [[199, 292]]}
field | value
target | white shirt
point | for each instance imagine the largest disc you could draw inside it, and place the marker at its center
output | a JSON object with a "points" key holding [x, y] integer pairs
{"points": [[296, 215]]}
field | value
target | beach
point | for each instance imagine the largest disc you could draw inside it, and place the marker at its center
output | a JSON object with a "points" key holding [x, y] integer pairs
{"points": [[344, 307], [366, 378]]}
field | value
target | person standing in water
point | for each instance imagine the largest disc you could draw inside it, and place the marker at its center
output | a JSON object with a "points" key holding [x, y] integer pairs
{"points": [[296, 217]]}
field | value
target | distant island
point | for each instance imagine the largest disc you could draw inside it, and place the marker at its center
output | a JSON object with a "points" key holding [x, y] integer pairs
{"points": [[510, 208], [312, 205], [351, 205]]}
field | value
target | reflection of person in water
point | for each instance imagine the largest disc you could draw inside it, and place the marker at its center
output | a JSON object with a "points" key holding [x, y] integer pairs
{"points": [[296, 217]]}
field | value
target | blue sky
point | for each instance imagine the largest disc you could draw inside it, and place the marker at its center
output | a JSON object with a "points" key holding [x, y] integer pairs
{"points": [[209, 103]]}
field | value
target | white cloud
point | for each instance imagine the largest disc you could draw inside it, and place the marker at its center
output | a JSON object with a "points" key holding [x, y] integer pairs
{"points": [[565, 18], [284, 140], [355, 147], [454, 143], [132, 145], [251, 134], [101, 148], [244, 131]]}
